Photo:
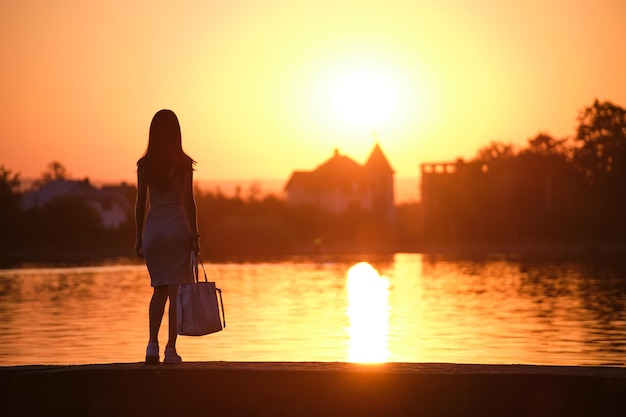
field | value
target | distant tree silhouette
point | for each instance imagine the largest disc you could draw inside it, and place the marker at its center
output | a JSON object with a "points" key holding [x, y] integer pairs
{"points": [[601, 156], [601, 137], [495, 152], [10, 215], [544, 144], [9, 186], [236, 227], [53, 172], [65, 222], [548, 189], [490, 213]]}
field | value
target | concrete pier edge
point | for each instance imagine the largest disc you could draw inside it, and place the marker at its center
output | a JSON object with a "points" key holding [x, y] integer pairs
{"points": [[311, 389]]}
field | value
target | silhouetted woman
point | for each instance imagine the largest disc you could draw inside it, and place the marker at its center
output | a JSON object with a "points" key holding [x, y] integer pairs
{"points": [[165, 178]]}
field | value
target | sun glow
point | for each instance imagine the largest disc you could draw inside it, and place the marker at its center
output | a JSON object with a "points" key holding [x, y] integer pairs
{"points": [[368, 311], [364, 99]]}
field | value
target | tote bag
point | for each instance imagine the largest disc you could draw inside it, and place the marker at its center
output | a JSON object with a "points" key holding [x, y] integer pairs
{"points": [[198, 309]]}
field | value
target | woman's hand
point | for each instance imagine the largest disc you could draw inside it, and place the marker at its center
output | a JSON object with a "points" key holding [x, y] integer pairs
{"points": [[195, 244], [138, 248]]}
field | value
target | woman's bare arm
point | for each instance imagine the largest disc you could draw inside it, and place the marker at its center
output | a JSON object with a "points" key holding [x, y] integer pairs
{"points": [[140, 211], [190, 209]]}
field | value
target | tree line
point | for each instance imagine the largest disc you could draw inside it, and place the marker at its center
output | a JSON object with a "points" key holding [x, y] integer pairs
{"points": [[246, 224], [566, 190]]}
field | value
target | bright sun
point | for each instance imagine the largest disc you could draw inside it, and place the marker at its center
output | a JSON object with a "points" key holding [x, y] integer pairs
{"points": [[363, 98]]}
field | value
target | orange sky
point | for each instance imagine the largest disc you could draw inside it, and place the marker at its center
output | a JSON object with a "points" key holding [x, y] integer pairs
{"points": [[253, 81]]}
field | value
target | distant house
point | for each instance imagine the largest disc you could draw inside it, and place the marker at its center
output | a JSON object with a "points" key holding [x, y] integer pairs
{"points": [[340, 184], [111, 202]]}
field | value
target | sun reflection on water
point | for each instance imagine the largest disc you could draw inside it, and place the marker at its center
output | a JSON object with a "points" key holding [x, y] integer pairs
{"points": [[368, 312]]}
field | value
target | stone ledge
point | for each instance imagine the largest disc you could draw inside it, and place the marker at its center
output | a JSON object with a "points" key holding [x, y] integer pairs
{"points": [[312, 389]]}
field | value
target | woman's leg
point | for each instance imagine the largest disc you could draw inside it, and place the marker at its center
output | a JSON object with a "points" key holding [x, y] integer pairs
{"points": [[172, 293], [171, 356], [156, 310]]}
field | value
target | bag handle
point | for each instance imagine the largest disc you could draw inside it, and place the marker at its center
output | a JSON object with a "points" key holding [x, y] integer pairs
{"points": [[219, 291], [203, 270], [193, 267]]}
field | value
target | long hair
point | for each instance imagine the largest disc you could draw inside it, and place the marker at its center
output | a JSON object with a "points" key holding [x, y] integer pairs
{"points": [[164, 157]]}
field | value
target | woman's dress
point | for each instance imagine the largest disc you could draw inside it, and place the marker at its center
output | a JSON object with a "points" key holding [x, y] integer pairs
{"points": [[167, 235]]}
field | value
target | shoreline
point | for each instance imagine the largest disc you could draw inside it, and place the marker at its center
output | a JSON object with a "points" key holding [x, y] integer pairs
{"points": [[312, 389], [539, 251]]}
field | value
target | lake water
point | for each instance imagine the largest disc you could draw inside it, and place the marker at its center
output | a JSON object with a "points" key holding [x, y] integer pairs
{"points": [[401, 308]]}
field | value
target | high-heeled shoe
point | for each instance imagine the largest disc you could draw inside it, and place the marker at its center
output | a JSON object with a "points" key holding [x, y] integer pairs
{"points": [[171, 357], [152, 353]]}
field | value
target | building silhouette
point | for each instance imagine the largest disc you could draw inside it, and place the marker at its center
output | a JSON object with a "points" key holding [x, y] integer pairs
{"points": [[112, 203], [340, 184]]}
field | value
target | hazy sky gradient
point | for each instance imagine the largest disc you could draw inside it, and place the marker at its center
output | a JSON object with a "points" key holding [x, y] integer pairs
{"points": [[252, 81]]}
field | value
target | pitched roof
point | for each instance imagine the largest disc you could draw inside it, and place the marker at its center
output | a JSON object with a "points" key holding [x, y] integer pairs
{"points": [[340, 172], [338, 169], [377, 162], [304, 179]]}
